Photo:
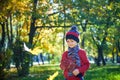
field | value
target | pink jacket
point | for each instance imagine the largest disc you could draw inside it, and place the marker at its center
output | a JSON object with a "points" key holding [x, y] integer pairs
{"points": [[84, 64]]}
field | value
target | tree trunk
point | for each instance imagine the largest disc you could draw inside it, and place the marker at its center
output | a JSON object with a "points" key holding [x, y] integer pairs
{"points": [[113, 56], [32, 27], [103, 60], [84, 26], [41, 57], [7, 28], [11, 31], [118, 51], [3, 35], [117, 57], [48, 57], [83, 41], [113, 59], [100, 56]]}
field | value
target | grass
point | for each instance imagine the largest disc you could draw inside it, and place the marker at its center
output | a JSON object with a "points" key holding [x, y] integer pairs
{"points": [[109, 72], [45, 72]]}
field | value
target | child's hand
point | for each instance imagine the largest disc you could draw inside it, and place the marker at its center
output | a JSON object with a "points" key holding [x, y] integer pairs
{"points": [[76, 72]]}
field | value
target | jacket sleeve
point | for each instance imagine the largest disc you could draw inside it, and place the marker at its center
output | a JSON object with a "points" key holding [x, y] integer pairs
{"points": [[84, 61], [62, 64]]}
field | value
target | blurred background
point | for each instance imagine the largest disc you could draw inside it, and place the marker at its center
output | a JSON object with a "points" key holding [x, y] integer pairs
{"points": [[32, 37]]}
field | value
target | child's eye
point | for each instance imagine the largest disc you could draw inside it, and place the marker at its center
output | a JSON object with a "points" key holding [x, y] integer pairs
{"points": [[72, 41], [67, 41]]}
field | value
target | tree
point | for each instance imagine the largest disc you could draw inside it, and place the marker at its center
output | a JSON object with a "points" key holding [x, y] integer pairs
{"points": [[105, 21]]}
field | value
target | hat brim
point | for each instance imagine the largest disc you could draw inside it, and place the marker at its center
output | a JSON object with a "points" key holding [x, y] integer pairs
{"points": [[72, 37]]}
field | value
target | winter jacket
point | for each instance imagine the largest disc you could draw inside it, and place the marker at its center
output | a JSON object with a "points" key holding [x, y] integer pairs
{"points": [[82, 69]]}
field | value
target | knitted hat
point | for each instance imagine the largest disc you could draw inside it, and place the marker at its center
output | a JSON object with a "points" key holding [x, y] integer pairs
{"points": [[73, 34]]}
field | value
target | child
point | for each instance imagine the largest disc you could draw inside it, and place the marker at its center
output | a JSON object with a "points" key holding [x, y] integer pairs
{"points": [[74, 62]]}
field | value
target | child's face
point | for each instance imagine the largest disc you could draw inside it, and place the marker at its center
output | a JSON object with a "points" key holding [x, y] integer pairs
{"points": [[71, 43]]}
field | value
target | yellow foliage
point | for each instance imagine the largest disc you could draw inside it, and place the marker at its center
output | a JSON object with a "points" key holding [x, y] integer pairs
{"points": [[53, 76], [110, 7], [91, 10], [26, 25], [36, 50], [119, 54], [38, 22], [48, 39], [107, 38], [110, 55], [114, 49], [25, 38]]}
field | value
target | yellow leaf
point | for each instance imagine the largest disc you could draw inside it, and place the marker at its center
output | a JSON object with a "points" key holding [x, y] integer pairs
{"points": [[53, 76], [36, 51], [110, 6]]}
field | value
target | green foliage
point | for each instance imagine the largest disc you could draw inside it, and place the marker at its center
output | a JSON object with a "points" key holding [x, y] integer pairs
{"points": [[21, 58], [5, 57]]}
